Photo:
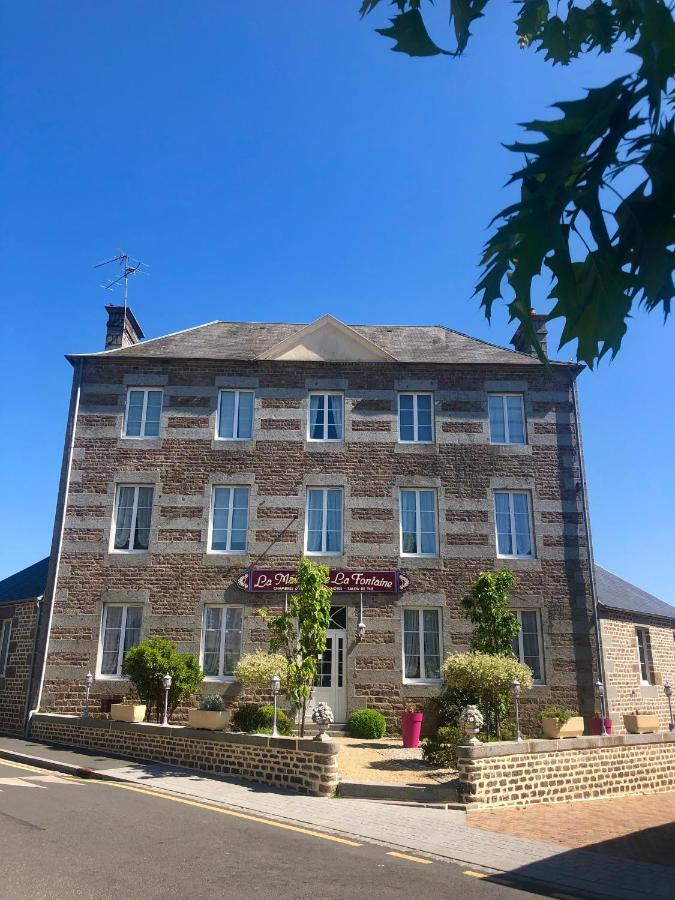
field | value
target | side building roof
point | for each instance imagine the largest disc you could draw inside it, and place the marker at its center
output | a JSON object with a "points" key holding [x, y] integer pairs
{"points": [[27, 584], [615, 593]]}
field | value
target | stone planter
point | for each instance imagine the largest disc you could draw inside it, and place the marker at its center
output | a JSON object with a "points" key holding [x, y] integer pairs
{"points": [[641, 723], [127, 712], [212, 720], [572, 728]]}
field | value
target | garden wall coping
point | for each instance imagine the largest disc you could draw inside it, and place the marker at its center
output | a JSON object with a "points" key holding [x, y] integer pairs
{"points": [[543, 745]]}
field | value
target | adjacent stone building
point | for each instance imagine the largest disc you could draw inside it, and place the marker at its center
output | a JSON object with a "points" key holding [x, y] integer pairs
{"points": [[194, 458]]}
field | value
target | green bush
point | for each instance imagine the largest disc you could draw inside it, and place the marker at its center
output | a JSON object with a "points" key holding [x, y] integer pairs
{"points": [[557, 712], [441, 748], [254, 718], [366, 723], [257, 669], [212, 703], [148, 662]]}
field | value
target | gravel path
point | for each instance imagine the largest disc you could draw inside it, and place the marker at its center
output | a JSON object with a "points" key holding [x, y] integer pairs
{"points": [[386, 761]]}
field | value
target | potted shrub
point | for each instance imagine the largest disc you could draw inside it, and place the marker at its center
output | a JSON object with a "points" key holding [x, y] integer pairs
{"points": [[640, 723], [596, 725], [557, 723], [127, 711], [210, 715], [411, 724]]}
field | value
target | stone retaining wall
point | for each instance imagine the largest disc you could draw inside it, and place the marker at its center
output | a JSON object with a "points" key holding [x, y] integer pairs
{"points": [[510, 774], [303, 765]]}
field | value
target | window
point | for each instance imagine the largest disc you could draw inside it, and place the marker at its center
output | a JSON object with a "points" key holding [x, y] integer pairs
{"points": [[514, 524], [418, 523], [229, 519], [121, 631], [133, 509], [644, 648], [5, 634], [415, 418], [325, 417], [221, 640], [143, 412], [324, 520], [527, 643], [235, 415], [507, 418], [421, 645]]}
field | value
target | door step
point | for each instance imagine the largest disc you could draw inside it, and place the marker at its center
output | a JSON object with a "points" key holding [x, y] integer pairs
{"points": [[337, 730]]}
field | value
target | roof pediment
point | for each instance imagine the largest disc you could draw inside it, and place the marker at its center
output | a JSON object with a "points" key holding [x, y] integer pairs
{"points": [[327, 340]]}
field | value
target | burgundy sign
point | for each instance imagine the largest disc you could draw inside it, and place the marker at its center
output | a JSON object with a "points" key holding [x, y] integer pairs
{"points": [[349, 581]]}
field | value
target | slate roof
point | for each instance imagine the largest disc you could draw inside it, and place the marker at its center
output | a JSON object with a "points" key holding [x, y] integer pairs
{"points": [[615, 593], [26, 584], [247, 340]]}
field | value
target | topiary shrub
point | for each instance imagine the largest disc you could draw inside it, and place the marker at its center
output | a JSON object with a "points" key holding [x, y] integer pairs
{"points": [[148, 662], [440, 750], [254, 718], [366, 723]]}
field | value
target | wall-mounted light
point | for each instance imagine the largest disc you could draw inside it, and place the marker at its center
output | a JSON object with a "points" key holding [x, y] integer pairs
{"points": [[361, 627]]}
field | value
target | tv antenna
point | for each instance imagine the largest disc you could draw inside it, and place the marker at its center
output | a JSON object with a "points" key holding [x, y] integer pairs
{"points": [[129, 267]]}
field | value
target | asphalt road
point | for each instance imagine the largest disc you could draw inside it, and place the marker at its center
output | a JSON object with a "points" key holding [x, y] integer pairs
{"points": [[63, 838]]}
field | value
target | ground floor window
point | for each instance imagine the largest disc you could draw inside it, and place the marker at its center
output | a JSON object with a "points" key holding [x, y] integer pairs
{"points": [[121, 631], [644, 648], [5, 633], [421, 645], [527, 643], [221, 640]]}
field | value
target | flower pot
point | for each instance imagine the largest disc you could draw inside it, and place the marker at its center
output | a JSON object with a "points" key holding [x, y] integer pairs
{"points": [[210, 719], [411, 723], [555, 730], [642, 723], [127, 712], [596, 726]]}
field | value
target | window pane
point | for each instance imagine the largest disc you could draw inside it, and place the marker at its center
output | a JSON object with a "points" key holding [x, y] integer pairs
{"points": [[4, 645], [239, 519], [134, 413], [245, 419], [123, 516], [316, 416], [496, 415], [521, 514], [314, 520], [432, 645], [408, 522], [514, 412], [232, 640], [212, 636], [424, 421], [428, 521], [111, 639], [503, 518], [143, 515], [153, 413], [132, 635], [531, 654], [221, 514], [411, 643], [334, 522], [334, 417], [406, 417], [226, 415]]}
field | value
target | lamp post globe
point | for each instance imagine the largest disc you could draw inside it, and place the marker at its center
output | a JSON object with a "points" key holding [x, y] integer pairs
{"points": [[515, 688], [88, 681], [167, 682], [276, 687]]}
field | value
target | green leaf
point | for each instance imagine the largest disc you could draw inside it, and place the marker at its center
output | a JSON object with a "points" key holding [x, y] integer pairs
{"points": [[656, 49], [411, 36], [462, 14], [554, 41]]}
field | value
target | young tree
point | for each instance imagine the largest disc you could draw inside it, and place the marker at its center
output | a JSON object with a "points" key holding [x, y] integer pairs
{"points": [[487, 608], [299, 633], [604, 250], [147, 663]]}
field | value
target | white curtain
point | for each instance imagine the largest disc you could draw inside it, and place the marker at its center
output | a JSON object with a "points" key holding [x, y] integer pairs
{"points": [[143, 514], [316, 416], [521, 515], [428, 521], [411, 643], [232, 640], [239, 519], [125, 508], [408, 522], [432, 646], [212, 637], [314, 520], [334, 521], [531, 643], [334, 417], [503, 516], [112, 634]]}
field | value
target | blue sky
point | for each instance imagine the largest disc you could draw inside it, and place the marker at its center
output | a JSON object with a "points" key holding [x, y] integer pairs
{"points": [[276, 161]]}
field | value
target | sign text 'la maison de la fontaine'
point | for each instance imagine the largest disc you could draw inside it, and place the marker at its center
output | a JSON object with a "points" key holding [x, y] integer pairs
{"points": [[351, 581]]}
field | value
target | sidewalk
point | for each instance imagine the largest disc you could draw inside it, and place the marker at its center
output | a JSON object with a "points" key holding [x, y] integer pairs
{"points": [[439, 833]]}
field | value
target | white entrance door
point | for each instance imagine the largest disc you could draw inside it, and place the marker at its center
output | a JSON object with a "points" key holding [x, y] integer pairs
{"points": [[331, 683]]}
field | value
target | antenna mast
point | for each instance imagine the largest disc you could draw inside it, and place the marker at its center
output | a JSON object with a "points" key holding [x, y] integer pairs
{"points": [[129, 267]]}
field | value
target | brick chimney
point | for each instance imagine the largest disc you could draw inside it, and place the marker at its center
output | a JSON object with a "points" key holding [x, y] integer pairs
{"points": [[121, 330], [520, 342]]}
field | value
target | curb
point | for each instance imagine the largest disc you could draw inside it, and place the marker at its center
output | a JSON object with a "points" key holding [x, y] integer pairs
{"points": [[57, 766]]}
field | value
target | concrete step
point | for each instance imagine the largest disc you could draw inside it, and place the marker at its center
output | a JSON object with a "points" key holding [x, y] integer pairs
{"points": [[338, 729], [445, 794]]}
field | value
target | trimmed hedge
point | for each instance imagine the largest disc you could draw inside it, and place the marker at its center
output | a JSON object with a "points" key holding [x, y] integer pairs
{"points": [[257, 719], [366, 723]]}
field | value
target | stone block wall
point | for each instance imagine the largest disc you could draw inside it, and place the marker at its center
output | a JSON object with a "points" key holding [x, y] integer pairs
{"points": [[303, 765], [510, 774], [14, 685]]}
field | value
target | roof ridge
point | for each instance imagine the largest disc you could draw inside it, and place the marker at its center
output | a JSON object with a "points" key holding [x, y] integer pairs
{"points": [[159, 337]]}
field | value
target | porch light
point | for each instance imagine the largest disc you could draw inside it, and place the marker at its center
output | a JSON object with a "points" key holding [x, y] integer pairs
{"points": [[166, 681], [276, 687], [668, 691], [88, 681], [361, 627], [515, 689]]}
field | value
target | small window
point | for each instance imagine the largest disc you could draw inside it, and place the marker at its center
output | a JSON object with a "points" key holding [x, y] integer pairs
{"points": [[121, 631], [324, 520], [325, 417], [507, 418], [5, 634], [418, 523], [229, 519], [221, 640], [644, 648], [143, 413], [415, 418], [133, 510], [421, 645], [235, 415], [513, 520], [527, 643]]}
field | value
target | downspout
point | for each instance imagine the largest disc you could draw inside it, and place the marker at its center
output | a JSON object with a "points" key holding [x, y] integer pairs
{"points": [[31, 673], [55, 561], [604, 706]]}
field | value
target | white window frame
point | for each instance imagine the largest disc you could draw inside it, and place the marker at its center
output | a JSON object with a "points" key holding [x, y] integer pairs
{"points": [[512, 517], [5, 624], [235, 420], [142, 436], [418, 527], [100, 676], [223, 679], [113, 530], [503, 396], [230, 513], [415, 395], [521, 653], [325, 439], [420, 622], [649, 659], [324, 488]]}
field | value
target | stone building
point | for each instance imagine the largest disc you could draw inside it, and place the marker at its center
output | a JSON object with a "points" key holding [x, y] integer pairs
{"points": [[413, 453], [638, 645]]}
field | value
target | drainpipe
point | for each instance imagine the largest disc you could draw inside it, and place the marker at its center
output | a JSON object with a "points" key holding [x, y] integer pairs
{"points": [[604, 705], [57, 544], [31, 672]]}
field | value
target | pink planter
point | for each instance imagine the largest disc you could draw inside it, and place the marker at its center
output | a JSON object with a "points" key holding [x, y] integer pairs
{"points": [[596, 725], [411, 727]]}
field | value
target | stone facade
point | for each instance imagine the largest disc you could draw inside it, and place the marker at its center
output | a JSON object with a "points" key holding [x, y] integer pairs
{"points": [[571, 769], [301, 765], [15, 683], [177, 577], [626, 691]]}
